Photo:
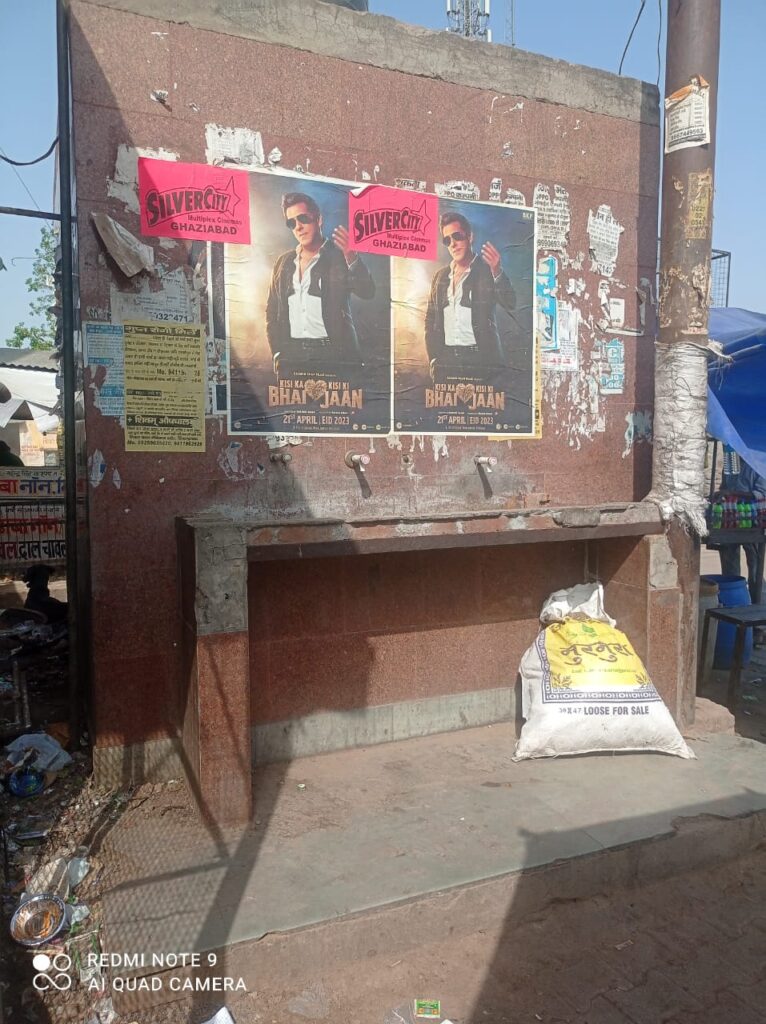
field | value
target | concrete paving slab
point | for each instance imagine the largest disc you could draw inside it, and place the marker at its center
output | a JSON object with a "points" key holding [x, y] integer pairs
{"points": [[350, 831]]}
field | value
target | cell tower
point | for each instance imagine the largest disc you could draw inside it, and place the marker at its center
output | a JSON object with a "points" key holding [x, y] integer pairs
{"points": [[469, 18]]}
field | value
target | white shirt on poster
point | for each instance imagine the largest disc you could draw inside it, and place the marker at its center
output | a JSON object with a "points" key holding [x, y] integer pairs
{"points": [[458, 324], [305, 310]]}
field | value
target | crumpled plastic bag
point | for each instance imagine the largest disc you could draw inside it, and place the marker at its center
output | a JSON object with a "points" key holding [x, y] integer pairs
{"points": [[51, 756]]}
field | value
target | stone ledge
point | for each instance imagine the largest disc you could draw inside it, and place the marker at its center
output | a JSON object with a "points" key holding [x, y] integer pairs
{"points": [[386, 43], [362, 727]]}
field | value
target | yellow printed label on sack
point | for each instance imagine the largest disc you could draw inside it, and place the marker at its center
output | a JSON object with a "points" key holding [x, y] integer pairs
{"points": [[592, 655]]}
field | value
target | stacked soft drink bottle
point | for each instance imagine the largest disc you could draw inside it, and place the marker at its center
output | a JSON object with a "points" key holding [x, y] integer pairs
{"points": [[737, 512]]}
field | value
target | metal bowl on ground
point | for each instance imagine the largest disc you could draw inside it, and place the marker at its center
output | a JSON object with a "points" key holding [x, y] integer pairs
{"points": [[38, 919]]}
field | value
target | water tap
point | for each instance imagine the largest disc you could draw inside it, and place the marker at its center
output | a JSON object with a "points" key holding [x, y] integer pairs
{"points": [[355, 461], [485, 461]]}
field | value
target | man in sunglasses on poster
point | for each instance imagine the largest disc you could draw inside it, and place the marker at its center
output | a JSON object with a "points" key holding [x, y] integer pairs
{"points": [[309, 325], [460, 328]]}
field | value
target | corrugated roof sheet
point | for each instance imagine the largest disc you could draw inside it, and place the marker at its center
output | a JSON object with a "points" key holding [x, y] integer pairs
{"points": [[29, 359]]}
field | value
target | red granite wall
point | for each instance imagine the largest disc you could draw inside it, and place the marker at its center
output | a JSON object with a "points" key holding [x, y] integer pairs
{"points": [[367, 630]]}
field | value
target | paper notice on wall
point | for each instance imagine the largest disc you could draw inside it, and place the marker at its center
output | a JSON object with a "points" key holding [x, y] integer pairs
{"points": [[604, 237], [547, 313], [699, 197], [553, 217], [514, 198], [410, 184], [687, 116], [567, 357], [104, 347], [176, 301], [241, 146], [164, 387], [217, 371], [617, 312], [612, 375]]}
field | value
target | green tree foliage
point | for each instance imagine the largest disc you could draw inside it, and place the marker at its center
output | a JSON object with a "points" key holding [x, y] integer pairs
{"points": [[40, 335]]}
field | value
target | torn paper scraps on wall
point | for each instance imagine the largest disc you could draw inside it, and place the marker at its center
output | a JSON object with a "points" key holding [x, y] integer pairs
{"points": [[639, 429], [96, 467], [130, 254], [124, 185], [612, 380], [241, 146], [458, 190], [553, 217], [604, 232], [176, 301], [105, 356]]}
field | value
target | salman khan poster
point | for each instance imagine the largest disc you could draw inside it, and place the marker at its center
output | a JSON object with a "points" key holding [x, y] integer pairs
{"points": [[308, 317], [362, 309]]}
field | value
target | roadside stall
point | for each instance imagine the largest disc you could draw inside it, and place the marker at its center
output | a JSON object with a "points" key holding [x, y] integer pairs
{"points": [[737, 421]]}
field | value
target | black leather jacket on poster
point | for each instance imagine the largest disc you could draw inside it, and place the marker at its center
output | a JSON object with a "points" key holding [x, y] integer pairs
{"points": [[481, 293], [334, 282]]}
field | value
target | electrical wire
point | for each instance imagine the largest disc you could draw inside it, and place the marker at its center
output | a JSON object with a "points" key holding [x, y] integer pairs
{"points": [[29, 163], [635, 24], [23, 183]]}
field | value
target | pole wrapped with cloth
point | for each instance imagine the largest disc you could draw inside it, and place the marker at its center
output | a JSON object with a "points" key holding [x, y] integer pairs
{"points": [[680, 415]]}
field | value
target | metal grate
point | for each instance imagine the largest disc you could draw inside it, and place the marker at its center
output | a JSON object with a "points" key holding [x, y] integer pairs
{"points": [[720, 268]]}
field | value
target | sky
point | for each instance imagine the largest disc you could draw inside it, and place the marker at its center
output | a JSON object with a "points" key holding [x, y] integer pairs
{"points": [[591, 32]]}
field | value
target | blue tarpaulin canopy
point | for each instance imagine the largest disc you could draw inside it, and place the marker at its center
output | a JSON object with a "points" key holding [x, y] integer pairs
{"points": [[737, 389]]}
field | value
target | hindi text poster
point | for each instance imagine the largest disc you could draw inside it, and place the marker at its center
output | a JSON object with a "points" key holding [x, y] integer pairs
{"points": [[164, 387]]}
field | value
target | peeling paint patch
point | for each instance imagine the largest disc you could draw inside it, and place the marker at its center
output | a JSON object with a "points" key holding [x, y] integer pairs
{"points": [[394, 441], [228, 460], [96, 467], [124, 185], [241, 146], [275, 156], [116, 478], [645, 297], [439, 445], [507, 152], [413, 529], [639, 429]]}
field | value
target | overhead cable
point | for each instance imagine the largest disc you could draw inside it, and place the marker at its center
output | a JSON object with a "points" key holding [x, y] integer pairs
{"points": [[635, 23], [29, 163]]}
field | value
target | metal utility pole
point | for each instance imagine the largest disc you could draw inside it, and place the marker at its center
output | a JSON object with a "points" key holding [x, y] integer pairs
{"points": [[680, 414], [69, 369], [510, 22]]}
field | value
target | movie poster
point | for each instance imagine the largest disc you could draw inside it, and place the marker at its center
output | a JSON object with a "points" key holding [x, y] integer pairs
{"points": [[307, 318], [463, 324], [327, 339]]}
